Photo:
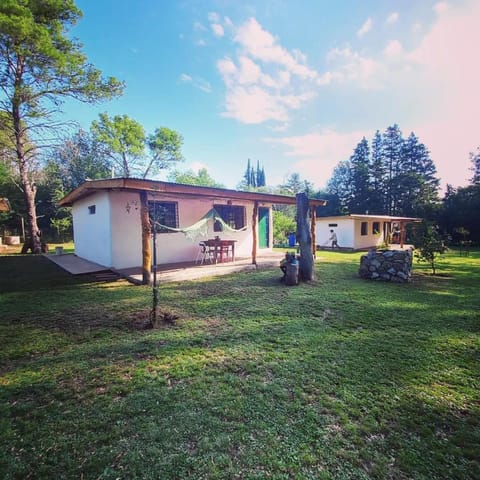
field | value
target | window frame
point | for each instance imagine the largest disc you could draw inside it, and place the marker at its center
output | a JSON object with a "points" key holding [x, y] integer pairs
{"points": [[363, 229], [169, 218], [233, 215]]}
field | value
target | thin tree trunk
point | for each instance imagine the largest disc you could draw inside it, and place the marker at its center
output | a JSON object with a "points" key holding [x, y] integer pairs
{"points": [[29, 188], [146, 246], [304, 238]]}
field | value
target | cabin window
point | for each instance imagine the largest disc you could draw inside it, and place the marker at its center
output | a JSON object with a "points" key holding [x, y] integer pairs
{"points": [[163, 214], [364, 228], [376, 228], [92, 209], [333, 224], [232, 215]]}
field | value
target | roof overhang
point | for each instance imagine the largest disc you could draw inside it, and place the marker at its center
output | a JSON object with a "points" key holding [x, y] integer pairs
{"points": [[152, 186], [385, 218]]}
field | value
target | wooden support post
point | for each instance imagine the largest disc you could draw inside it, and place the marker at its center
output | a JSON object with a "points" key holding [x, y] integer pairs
{"points": [[304, 238], [146, 242], [402, 234], [313, 220], [254, 233]]}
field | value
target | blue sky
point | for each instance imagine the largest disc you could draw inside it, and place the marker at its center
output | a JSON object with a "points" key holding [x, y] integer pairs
{"points": [[292, 84]]}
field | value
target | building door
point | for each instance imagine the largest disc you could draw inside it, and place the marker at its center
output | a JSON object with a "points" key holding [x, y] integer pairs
{"points": [[263, 227]]}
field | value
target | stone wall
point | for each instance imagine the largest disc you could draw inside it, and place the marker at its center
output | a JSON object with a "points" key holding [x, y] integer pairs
{"points": [[387, 265]]}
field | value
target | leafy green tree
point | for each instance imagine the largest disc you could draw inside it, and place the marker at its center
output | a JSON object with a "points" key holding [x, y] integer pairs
{"points": [[201, 178], [283, 225], [253, 178], [475, 159], [77, 159], [428, 243], [340, 185], [392, 144], [359, 165], [41, 66], [377, 177], [125, 142]]}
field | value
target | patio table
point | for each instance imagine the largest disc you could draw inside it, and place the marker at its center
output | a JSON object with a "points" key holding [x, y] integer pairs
{"points": [[222, 249]]}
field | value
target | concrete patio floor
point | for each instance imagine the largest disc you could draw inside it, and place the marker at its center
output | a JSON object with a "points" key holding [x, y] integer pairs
{"points": [[174, 272]]}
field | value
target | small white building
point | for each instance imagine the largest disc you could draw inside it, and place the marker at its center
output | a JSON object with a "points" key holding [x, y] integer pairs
{"points": [[361, 232], [111, 230]]}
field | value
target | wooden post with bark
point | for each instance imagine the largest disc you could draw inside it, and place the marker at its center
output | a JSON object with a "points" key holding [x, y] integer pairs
{"points": [[254, 232], [146, 243], [304, 238], [313, 217]]}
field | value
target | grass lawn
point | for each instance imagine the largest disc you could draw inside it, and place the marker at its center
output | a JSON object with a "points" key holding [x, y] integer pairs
{"points": [[340, 379]]}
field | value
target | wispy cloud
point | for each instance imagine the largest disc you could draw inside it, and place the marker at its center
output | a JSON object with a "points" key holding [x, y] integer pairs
{"points": [[440, 7], [365, 28], [196, 82], [217, 30], [392, 18], [264, 81], [318, 153]]}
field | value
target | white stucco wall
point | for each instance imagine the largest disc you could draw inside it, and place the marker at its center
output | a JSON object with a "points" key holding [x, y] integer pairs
{"points": [[369, 240], [176, 247], [126, 229], [113, 235], [344, 231], [349, 231], [92, 232]]}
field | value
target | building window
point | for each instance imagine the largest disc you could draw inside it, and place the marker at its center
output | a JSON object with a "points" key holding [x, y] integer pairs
{"points": [[233, 215], [163, 214], [333, 224], [376, 228], [92, 209], [364, 228]]}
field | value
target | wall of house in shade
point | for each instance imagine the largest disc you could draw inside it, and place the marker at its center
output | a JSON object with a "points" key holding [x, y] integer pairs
{"points": [[107, 229], [387, 265]]}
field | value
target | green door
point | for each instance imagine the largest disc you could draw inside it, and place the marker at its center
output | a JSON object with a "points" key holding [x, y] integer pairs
{"points": [[263, 227]]}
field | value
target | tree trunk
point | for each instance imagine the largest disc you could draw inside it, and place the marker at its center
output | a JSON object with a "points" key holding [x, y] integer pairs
{"points": [[304, 238], [28, 187], [146, 233]]}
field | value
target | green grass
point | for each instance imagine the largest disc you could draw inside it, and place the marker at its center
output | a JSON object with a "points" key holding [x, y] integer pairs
{"points": [[339, 379]]}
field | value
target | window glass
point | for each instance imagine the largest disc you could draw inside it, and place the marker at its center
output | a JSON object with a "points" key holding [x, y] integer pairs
{"points": [[233, 215], [163, 213], [364, 228], [376, 228], [92, 209]]}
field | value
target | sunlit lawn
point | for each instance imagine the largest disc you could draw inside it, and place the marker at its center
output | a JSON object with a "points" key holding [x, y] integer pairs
{"points": [[339, 379]]}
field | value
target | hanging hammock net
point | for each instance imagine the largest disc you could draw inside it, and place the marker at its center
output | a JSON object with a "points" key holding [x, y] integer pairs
{"points": [[200, 228]]}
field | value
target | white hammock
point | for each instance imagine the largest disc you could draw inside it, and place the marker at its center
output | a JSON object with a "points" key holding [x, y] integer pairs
{"points": [[200, 228]]}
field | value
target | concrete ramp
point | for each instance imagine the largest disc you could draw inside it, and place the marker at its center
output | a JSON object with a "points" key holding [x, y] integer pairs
{"points": [[76, 265]]}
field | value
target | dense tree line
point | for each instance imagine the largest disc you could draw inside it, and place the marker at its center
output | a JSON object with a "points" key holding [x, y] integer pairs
{"points": [[391, 175]]}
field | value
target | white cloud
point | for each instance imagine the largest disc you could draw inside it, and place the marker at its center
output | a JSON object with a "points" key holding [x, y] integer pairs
{"points": [[349, 66], [447, 69], [262, 45], [440, 7], [365, 28], [265, 81], [393, 49], [253, 105], [392, 18], [199, 27], [201, 43], [196, 82], [213, 17], [320, 152], [217, 30]]}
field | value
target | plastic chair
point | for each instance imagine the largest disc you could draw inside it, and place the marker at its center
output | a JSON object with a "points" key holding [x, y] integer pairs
{"points": [[204, 253]]}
